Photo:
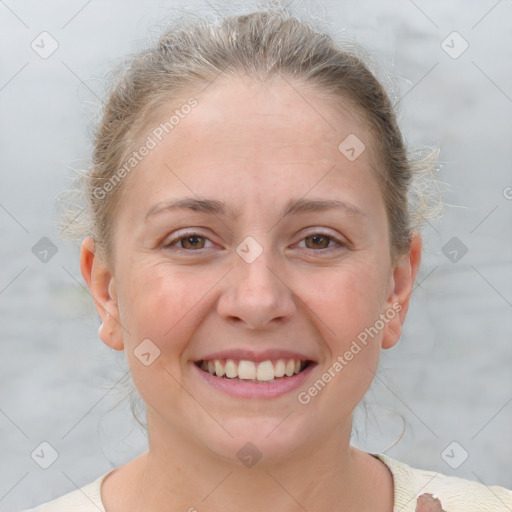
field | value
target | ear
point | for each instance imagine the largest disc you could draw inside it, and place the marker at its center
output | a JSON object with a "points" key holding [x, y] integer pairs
{"points": [[400, 289], [103, 290]]}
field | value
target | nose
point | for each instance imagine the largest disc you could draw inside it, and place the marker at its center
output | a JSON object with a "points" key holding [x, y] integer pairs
{"points": [[256, 295]]}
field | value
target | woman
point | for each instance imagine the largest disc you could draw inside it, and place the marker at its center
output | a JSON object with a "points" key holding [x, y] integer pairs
{"points": [[252, 248]]}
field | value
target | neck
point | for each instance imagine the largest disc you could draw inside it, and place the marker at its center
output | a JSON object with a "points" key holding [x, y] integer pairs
{"points": [[178, 475]]}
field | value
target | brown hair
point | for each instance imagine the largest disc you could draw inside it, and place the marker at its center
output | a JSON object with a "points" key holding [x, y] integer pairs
{"points": [[261, 44]]}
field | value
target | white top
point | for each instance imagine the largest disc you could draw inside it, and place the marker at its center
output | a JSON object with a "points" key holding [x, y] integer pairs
{"points": [[456, 494]]}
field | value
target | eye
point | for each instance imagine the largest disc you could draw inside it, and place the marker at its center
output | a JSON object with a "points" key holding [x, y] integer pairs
{"points": [[321, 241], [188, 242], [193, 242]]}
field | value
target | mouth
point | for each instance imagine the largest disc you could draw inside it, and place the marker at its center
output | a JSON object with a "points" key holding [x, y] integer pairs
{"points": [[245, 373], [254, 372]]}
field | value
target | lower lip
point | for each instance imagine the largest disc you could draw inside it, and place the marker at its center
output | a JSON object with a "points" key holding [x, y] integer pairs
{"points": [[256, 390]]}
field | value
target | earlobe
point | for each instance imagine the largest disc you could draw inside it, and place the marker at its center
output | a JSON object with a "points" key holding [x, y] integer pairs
{"points": [[101, 284], [401, 286]]}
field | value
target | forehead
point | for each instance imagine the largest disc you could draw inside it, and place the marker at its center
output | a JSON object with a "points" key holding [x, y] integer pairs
{"points": [[252, 141], [282, 113]]}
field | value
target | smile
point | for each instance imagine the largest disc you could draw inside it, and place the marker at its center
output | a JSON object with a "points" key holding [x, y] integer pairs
{"points": [[251, 371]]}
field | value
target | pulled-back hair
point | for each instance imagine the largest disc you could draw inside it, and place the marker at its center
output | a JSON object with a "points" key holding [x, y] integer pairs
{"points": [[260, 45]]}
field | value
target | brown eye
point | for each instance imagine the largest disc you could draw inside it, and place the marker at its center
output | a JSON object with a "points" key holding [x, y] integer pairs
{"points": [[318, 241], [192, 242]]}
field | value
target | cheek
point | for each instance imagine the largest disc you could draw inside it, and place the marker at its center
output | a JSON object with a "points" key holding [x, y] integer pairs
{"points": [[348, 300], [158, 304], [348, 304], [163, 304]]}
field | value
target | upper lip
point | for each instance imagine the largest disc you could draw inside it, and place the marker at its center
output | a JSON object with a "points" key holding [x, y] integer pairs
{"points": [[251, 355]]}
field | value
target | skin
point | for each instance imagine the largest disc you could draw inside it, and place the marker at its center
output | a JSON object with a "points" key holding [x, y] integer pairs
{"points": [[254, 146]]}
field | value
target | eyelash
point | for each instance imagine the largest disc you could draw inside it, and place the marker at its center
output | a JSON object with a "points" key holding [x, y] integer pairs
{"points": [[173, 242]]}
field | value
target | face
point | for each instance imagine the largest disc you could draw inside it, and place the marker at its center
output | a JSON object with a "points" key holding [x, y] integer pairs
{"points": [[288, 260]]}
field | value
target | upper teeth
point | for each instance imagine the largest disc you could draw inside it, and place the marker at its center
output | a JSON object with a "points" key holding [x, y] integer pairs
{"points": [[249, 370]]}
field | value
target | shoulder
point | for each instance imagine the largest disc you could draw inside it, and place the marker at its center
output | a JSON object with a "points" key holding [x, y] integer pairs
{"points": [[456, 494], [84, 499]]}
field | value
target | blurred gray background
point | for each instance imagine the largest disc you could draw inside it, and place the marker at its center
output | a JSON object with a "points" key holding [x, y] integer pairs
{"points": [[450, 376]]}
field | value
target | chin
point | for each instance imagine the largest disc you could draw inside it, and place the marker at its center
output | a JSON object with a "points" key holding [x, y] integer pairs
{"points": [[264, 441]]}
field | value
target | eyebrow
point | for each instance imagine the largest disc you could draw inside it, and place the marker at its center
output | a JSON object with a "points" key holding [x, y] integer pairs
{"points": [[293, 207]]}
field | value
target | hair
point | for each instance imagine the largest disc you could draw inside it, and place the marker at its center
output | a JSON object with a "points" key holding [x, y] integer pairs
{"points": [[261, 45]]}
